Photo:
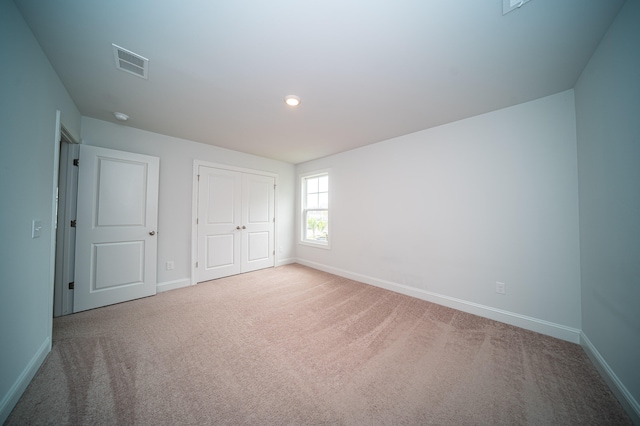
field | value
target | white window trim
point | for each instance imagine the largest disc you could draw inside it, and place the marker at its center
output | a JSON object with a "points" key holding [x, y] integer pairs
{"points": [[302, 228]]}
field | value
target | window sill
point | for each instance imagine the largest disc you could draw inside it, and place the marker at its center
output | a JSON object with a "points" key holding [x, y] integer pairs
{"points": [[322, 245]]}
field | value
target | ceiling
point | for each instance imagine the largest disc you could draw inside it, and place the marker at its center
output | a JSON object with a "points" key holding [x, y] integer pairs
{"points": [[366, 70]]}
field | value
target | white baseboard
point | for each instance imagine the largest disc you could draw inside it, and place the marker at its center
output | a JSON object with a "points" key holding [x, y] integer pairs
{"points": [[172, 285], [13, 395], [621, 392], [529, 323], [287, 261]]}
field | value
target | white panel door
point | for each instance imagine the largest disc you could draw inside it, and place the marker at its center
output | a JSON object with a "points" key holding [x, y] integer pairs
{"points": [[219, 223], [235, 222], [257, 217], [116, 242]]}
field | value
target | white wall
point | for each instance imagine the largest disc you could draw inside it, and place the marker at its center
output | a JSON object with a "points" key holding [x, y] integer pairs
{"points": [[31, 94], [176, 183], [445, 213], [608, 129]]}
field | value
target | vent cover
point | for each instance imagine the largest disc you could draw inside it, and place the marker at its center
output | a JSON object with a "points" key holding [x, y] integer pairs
{"points": [[509, 5], [130, 62]]}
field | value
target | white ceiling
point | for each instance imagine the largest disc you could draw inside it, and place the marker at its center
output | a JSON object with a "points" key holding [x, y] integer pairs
{"points": [[366, 70]]}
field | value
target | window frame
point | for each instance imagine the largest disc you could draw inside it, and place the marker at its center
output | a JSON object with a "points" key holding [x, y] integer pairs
{"points": [[303, 179]]}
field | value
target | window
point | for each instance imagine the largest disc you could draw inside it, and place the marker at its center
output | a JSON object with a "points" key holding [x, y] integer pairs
{"points": [[315, 209]]}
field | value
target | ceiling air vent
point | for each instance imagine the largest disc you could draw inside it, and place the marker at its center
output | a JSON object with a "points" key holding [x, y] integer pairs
{"points": [[509, 5], [130, 62]]}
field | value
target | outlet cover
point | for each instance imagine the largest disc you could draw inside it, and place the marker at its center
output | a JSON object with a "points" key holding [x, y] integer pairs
{"points": [[36, 228], [500, 288]]}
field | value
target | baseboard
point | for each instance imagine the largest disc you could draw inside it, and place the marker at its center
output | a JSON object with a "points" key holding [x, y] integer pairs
{"points": [[628, 402], [172, 285], [11, 398], [287, 261], [529, 323]]}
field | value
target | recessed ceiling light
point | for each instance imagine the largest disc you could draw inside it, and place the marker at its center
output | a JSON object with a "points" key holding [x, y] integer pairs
{"points": [[292, 100], [121, 116]]}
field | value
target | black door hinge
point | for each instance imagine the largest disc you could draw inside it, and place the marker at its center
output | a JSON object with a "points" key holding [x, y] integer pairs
{"points": [[73, 223], [76, 161], [72, 285]]}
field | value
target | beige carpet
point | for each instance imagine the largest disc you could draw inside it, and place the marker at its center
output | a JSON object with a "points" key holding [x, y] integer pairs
{"points": [[293, 345]]}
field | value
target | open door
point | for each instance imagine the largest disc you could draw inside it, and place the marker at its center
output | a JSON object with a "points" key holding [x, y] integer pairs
{"points": [[116, 224]]}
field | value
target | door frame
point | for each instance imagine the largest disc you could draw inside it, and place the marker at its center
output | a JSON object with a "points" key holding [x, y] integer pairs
{"points": [[65, 234], [194, 208], [62, 135]]}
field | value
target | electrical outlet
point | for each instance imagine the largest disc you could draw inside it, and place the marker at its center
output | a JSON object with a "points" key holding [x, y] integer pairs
{"points": [[170, 265], [500, 288]]}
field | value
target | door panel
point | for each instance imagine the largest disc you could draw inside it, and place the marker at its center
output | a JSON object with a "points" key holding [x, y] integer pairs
{"points": [[222, 198], [116, 242], [258, 238], [258, 200], [258, 246], [220, 251], [118, 264], [121, 193]]}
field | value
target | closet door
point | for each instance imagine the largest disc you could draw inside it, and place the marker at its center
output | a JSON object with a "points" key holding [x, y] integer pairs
{"points": [[257, 222], [219, 223], [235, 222]]}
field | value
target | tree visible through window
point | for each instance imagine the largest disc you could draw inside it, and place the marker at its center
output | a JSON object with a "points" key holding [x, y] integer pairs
{"points": [[315, 209]]}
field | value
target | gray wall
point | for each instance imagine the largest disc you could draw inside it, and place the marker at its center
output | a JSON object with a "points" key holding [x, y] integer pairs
{"points": [[31, 94], [447, 212], [608, 131]]}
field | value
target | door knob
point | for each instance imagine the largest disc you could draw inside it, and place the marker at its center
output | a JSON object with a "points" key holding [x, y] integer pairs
{"points": [[238, 227], [152, 233], [244, 227]]}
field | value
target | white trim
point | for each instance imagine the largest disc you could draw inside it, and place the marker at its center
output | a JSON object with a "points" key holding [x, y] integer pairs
{"points": [[65, 235], [54, 214], [558, 331], [198, 163], [301, 231], [194, 226], [20, 385], [172, 285], [628, 402], [310, 243], [287, 261]]}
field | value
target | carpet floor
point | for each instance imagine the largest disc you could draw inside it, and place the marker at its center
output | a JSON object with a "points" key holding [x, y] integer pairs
{"points": [[295, 346]]}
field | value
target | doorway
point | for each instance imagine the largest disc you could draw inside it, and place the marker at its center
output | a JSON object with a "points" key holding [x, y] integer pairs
{"points": [[66, 199]]}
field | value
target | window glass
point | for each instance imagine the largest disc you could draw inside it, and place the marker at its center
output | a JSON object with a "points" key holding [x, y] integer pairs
{"points": [[312, 185], [315, 209], [316, 229], [323, 184], [323, 200], [312, 201]]}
